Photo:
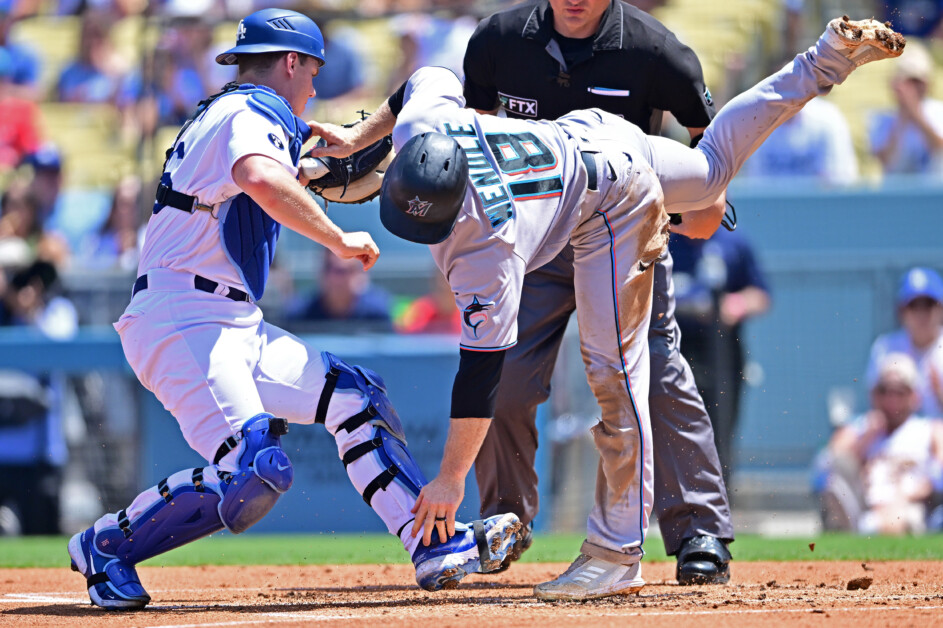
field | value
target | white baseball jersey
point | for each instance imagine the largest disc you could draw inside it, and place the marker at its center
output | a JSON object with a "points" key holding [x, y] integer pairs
{"points": [[527, 186], [201, 166]]}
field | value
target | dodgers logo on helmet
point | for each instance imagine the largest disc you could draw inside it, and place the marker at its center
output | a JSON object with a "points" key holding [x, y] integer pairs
{"points": [[275, 30], [476, 313]]}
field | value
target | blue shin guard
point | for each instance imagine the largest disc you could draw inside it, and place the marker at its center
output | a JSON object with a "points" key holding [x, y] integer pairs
{"points": [[185, 506], [476, 548], [392, 454], [379, 410]]}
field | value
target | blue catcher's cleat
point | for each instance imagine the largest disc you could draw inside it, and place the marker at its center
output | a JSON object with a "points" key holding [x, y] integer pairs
{"points": [[112, 583], [479, 547]]}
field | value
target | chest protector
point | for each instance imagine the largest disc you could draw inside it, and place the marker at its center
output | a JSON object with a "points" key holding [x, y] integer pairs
{"points": [[247, 233]]}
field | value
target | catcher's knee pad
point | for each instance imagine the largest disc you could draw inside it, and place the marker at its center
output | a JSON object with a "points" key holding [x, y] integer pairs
{"points": [[379, 410], [264, 473], [392, 454]]}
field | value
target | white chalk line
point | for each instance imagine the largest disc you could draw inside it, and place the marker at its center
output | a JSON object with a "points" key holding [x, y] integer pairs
{"points": [[41, 598], [276, 617], [760, 611]]}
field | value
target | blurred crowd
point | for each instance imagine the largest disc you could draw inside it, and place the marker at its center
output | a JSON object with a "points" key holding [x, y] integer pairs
{"points": [[93, 91], [882, 472]]}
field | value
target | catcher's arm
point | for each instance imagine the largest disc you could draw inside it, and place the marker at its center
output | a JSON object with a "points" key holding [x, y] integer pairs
{"points": [[270, 185]]}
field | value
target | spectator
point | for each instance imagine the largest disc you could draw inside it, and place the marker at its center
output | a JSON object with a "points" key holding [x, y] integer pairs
{"points": [[179, 72], [432, 313], [68, 214], [815, 143], [910, 139], [718, 285], [344, 75], [345, 301], [118, 8], [914, 18], [436, 39], [19, 127], [19, 215], [96, 73], [340, 86], [920, 310], [33, 299], [32, 445], [115, 244], [24, 75], [883, 472]]}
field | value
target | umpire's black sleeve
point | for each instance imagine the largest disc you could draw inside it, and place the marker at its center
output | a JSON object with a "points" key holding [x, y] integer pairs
{"points": [[680, 87], [476, 384], [478, 67]]}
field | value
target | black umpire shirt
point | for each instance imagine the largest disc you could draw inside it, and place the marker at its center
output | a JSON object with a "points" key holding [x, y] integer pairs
{"points": [[633, 67]]}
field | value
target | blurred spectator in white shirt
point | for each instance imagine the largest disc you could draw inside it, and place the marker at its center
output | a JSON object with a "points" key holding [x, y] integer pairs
{"points": [[883, 472], [909, 140], [815, 143]]}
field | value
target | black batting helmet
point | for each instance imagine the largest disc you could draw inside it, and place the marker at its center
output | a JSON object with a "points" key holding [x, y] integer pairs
{"points": [[424, 188]]}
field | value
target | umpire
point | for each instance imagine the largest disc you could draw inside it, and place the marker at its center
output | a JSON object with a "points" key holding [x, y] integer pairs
{"points": [[542, 61]]}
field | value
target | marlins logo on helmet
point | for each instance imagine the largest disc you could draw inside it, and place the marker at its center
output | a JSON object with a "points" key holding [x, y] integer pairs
{"points": [[418, 207], [476, 314]]}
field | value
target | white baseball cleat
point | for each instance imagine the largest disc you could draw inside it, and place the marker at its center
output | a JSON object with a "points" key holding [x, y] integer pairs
{"points": [[863, 41], [590, 578]]}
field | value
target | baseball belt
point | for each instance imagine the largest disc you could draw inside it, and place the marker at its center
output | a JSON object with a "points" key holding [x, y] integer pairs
{"points": [[200, 283], [589, 160]]}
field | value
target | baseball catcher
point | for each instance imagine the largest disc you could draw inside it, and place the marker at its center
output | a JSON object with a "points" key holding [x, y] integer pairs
{"points": [[194, 335]]}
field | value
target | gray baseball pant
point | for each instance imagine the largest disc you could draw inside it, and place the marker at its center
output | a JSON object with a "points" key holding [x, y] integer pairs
{"points": [[690, 179], [690, 497]]}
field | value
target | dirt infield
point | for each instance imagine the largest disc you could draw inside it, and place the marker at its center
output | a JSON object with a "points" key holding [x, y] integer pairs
{"points": [[760, 594]]}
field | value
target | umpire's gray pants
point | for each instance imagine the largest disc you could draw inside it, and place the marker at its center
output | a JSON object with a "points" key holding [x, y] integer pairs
{"points": [[690, 497]]}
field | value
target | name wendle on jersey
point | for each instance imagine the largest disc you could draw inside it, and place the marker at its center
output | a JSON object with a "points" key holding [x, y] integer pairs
{"points": [[487, 182]]}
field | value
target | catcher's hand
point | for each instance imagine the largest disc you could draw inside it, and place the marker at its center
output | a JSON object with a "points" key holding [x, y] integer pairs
{"points": [[353, 179]]}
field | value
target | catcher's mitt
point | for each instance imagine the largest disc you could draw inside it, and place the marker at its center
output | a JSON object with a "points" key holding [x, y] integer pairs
{"points": [[353, 179]]}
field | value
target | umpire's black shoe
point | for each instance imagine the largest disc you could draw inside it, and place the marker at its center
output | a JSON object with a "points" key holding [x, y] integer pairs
{"points": [[703, 560], [518, 549]]}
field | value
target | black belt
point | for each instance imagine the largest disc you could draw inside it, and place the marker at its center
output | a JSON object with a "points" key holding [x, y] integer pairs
{"points": [[200, 283], [589, 160], [168, 197]]}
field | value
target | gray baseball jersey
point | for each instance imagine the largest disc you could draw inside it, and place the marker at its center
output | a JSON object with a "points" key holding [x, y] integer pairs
{"points": [[528, 183]]}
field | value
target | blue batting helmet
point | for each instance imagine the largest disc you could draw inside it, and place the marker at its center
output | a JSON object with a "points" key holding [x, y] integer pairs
{"points": [[424, 189], [275, 30]]}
